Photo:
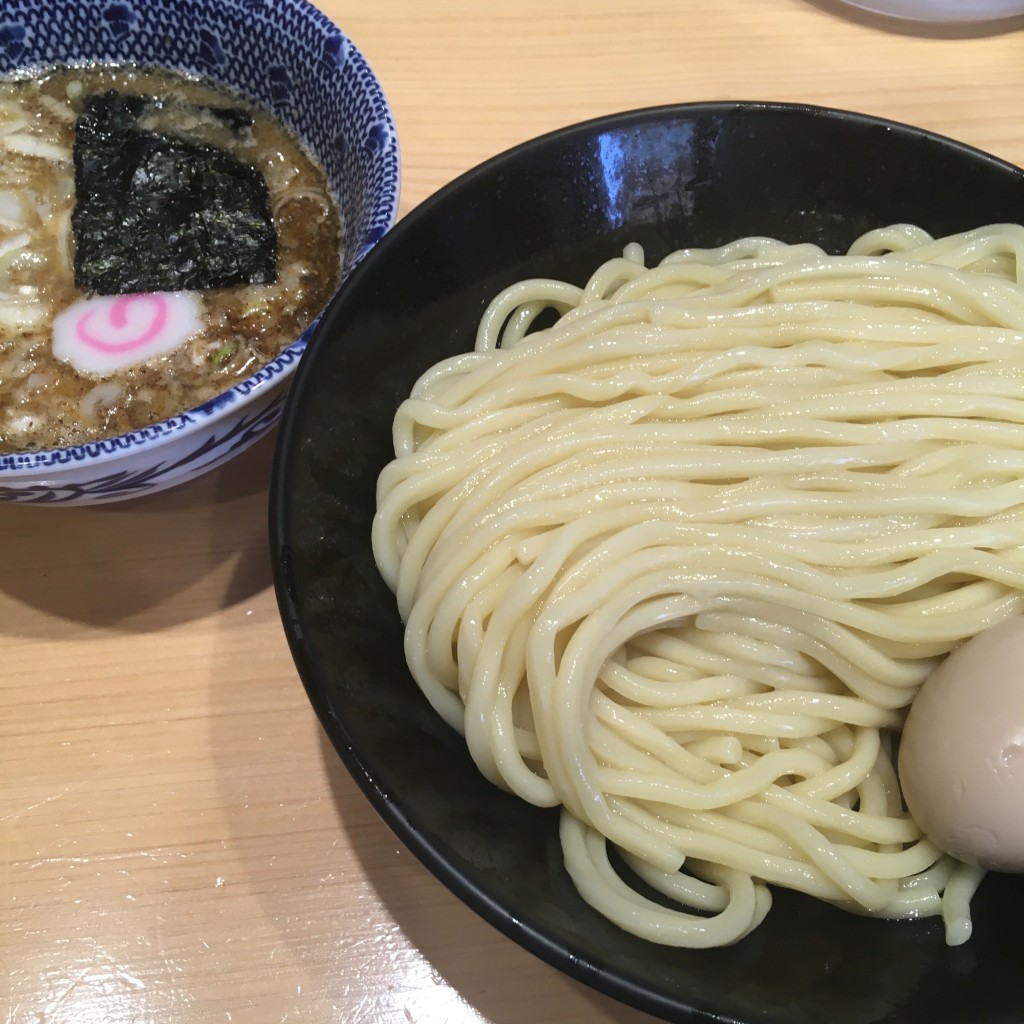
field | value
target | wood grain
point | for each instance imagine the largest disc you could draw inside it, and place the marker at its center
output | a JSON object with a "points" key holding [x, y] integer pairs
{"points": [[178, 843]]}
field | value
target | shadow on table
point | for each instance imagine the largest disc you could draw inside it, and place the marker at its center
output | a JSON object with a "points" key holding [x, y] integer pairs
{"points": [[435, 942], [921, 29], [143, 564], [490, 979]]}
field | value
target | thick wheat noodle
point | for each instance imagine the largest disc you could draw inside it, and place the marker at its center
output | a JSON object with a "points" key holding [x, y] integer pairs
{"points": [[679, 562]]}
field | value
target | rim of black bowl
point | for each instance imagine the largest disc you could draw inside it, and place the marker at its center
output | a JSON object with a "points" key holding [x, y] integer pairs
{"points": [[388, 804]]}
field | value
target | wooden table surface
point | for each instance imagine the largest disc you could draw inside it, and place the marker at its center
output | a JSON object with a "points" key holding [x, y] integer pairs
{"points": [[177, 840]]}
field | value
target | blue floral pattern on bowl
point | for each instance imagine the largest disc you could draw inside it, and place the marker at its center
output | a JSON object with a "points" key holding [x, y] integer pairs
{"points": [[290, 57]]}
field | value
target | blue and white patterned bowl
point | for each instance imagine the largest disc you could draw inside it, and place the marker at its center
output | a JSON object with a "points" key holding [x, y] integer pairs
{"points": [[288, 56]]}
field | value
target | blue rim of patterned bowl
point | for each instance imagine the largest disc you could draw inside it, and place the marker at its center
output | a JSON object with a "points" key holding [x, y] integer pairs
{"points": [[381, 216]]}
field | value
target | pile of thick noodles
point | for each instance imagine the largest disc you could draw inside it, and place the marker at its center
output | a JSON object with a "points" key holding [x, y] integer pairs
{"points": [[680, 562]]}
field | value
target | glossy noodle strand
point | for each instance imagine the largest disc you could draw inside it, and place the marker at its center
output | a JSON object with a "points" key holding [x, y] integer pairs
{"points": [[679, 562]]}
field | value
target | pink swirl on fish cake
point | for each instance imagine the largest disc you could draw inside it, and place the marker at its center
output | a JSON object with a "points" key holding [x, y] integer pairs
{"points": [[107, 333]]}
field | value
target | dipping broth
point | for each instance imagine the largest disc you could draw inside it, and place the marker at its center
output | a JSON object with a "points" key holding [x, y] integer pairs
{"points": [[44, 401]]}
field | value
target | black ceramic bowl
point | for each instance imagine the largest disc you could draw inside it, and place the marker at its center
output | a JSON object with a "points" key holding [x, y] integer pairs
{"points": [[560, 205]]}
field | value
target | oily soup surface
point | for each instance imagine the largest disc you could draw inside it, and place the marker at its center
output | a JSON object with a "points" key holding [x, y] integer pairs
{"points": [[45, 402]]}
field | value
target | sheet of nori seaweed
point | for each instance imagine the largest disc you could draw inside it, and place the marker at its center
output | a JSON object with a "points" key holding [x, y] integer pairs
{"points": [[157, 212]]}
